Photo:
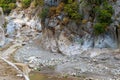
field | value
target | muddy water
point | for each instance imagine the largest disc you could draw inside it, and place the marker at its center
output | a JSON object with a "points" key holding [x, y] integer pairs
{"points": [[39, 76]]}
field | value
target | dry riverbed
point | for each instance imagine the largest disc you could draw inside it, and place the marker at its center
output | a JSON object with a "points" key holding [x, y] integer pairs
{"points": [[8, 72]]}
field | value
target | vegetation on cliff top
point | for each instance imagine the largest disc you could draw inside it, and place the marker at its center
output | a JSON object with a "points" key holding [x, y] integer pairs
{"points": [[26, 3], [101, 10], [7, 5], [103, 13], [72, 10]]}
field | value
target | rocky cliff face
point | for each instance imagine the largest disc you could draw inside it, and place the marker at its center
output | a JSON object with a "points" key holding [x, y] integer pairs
{"points": [[64, 37], [22, 26], [59, 35]]}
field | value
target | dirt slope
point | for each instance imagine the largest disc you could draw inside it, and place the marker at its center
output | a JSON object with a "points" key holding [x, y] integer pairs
{"points": [[7, 72]]}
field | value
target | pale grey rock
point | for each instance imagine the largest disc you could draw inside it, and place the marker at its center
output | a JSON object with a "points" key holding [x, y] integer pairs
{"points": [[2, 34], [60, 17], [105, 42], [88, 42], [21, 27]]}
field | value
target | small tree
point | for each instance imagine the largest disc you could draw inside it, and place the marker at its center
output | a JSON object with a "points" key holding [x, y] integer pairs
{"points": [[72, 10], [26, 3], [7, 5], [12, 5], [104, 16], [100, 28], [44, 13], [103, 12]]}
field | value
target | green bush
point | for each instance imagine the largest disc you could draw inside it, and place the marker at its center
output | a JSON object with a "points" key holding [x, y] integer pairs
{"points": [[7, 1], [72, 10], [100, 28], [104, 16], [103, 12], [75, 15], [26, 3], [12, 5], [5, 8], [108, 7], [94, 2], [44, 13], [7, 5]]}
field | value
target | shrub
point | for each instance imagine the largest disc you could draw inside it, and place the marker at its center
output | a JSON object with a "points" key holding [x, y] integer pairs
{"points": [[7, 1], [104, 16], [100, 28], [75, 16], [69, 1], [12, 5], [7, 5], [5, 8], [52, 11], [26, 3], [56, 10], [101, 8], [72, 10], [59, 8], [93, 2], [108, 7], [102, 11], [44, 13]]}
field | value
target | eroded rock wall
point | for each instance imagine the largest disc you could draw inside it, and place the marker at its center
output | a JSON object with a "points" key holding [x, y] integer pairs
{"points": [[80, 36]]}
